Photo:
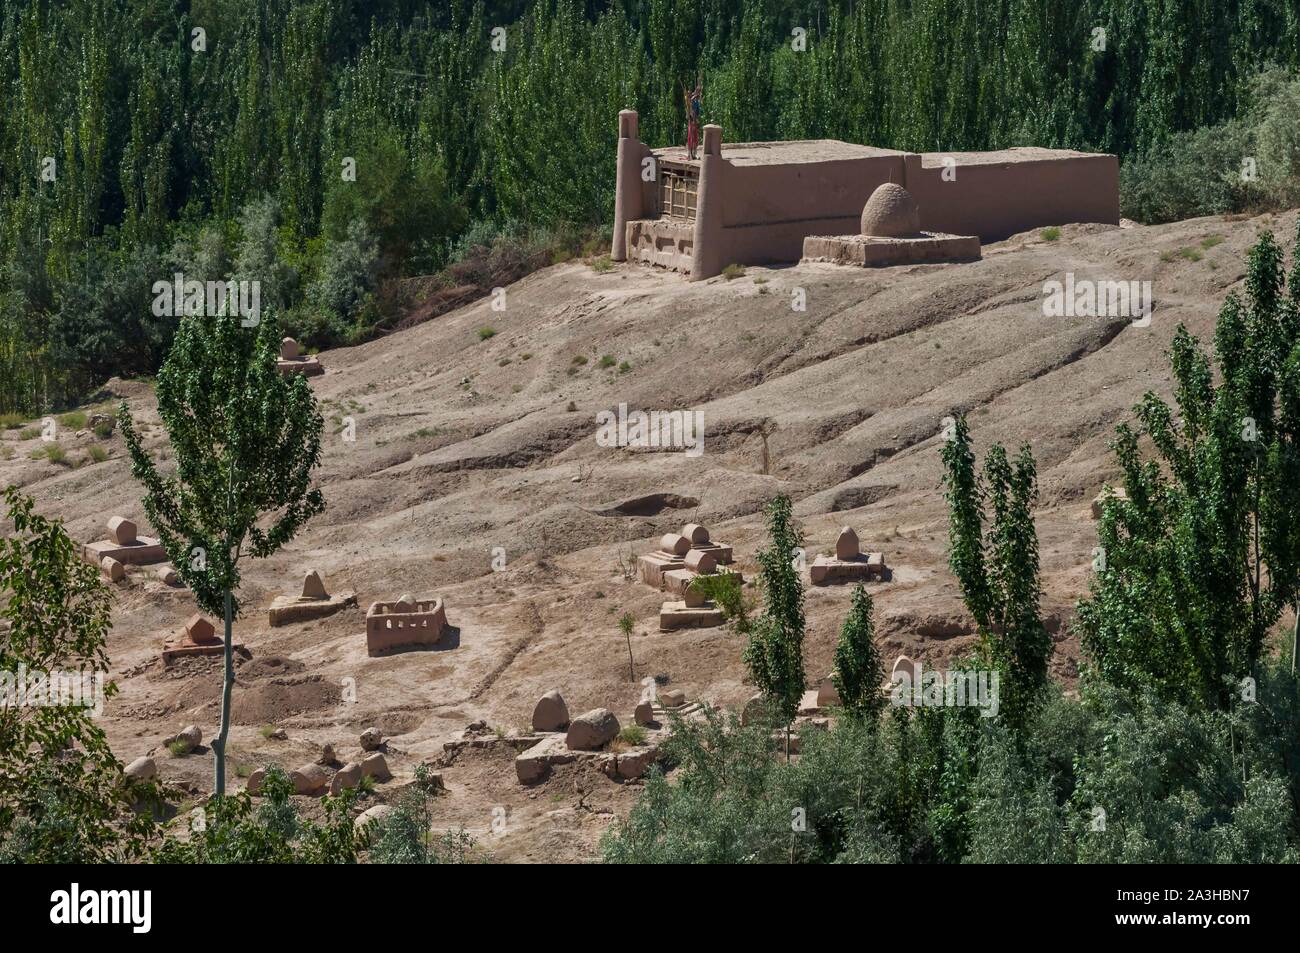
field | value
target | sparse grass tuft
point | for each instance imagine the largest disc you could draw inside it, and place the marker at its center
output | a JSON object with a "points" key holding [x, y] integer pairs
{"points": [[486, 332], [632, 734], [732, 272], [1050, 234], [97, 454], [602, 264], [1210, 241], [52, 452], [608, 360], [11, 421], [73, 420]]}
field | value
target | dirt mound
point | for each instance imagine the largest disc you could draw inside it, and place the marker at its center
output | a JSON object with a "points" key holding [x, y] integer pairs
{"points": [[264, 666], [262, 701]]}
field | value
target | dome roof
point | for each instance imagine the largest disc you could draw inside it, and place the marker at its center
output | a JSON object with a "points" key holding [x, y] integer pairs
{"points": [[891, 212]]}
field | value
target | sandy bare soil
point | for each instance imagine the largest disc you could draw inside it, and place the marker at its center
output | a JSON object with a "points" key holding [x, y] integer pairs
{"points": [[466, 445]]}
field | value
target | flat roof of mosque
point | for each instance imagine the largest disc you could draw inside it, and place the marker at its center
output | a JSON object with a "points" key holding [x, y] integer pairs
{"points": [[832, 150]]}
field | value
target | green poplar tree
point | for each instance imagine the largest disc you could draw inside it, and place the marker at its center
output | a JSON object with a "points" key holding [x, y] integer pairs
{"points": [[245, 441], [997, 568], [774, 653], [858, 673]]}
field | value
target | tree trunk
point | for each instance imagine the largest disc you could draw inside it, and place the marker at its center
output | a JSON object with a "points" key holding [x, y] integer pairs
{"points": [[228, 683], [1295, 628], [631, 672]]}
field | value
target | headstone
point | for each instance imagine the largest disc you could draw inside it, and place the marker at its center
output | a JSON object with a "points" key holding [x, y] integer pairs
{"points": [[326, 755], [122, 530], [827, 694], [846, 545], [551, 713], [904, 664], [753, 708], [376, 766], [592, 730], [310, 779], [200, 631], [372, 814], [313, 587], [644, 714], [289, 350], [701, 562], [186, 740], [254, 785], [672, 698], [346, 778], [371, 739], [405, 602], [113, 569], [168, 575], [674, 543], [696, 533], [142, 769]]}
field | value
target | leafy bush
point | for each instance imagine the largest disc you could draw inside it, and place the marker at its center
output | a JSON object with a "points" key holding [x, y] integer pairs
{"points": [[725, 590], [236, 830], [405, 836], [348, 275], [1113, 778], [62, 799]]}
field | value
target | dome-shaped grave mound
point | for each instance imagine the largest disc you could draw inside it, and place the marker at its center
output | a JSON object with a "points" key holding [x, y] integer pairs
{"points": [[891, 212]]}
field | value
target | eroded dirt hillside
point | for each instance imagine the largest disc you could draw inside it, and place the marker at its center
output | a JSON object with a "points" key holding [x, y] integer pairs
{"points": [[465, 444]]}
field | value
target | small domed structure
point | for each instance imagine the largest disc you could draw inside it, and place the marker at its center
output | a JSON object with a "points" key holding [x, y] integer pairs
{"points": [[891, 212]]}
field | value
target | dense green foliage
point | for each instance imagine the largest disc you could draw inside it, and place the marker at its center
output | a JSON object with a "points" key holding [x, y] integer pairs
{"points": [[132, 146], [54, 622], [1117, 778], [1202, 558], [1248, 162], [407, 834], [235, 830]]}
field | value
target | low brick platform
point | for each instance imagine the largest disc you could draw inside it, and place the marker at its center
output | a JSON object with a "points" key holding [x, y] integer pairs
{"points": [[678, 615], [286, 610], [143, 551], [871, 251], [828, 570]]}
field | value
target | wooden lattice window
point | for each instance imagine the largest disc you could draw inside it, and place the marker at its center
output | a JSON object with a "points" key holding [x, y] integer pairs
{"points": [[678, 188]]}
